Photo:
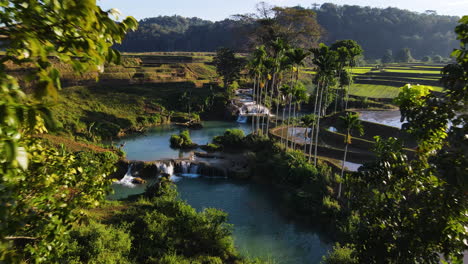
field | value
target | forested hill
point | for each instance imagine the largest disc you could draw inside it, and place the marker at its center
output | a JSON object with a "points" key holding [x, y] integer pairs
{"points": [[375, 29]]}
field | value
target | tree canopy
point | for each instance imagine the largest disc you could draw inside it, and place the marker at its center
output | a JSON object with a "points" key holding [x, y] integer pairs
{"points": [[375, 29], [413, 210]]}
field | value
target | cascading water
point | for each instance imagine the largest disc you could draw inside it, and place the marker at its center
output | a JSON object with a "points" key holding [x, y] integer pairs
{"points": [[167, 168], [189, 169], [127, 180], [252, 108]]}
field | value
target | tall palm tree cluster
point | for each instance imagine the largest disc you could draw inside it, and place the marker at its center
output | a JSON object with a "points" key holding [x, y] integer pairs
{"points": [[275, 68]]}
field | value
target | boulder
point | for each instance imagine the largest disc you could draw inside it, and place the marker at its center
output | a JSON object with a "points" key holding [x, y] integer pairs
{"points": [[138, 180]]}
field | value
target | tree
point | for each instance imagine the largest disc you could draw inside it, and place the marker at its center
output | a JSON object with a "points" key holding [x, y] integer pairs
{"points": [[414, 210], [426, 59], [296, 26], [353, 51], [42, 189], [437, 59], [404, 55], [387, 57], [351, 123], [256, 65], [309, 122], [228, 65], [326, 61]]}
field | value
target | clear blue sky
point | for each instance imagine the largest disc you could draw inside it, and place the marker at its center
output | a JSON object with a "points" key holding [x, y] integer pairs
{"points": [[220, 9]]}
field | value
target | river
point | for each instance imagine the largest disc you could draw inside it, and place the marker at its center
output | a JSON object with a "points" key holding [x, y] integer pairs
{"points": [[259, 230]]}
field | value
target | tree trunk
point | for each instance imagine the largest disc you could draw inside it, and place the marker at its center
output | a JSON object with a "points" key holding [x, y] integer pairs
{"points": [[271, 99], [293, 143], [342, 170], [289, 119], [282, 122], [253, 99], [314, 124], [318, 124], [347, 92]]}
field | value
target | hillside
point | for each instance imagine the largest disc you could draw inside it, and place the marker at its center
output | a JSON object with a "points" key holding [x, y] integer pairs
{"points": [[375, 29]]}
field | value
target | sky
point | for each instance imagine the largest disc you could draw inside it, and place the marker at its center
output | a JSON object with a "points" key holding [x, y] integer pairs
{"points": [[216, 10]]}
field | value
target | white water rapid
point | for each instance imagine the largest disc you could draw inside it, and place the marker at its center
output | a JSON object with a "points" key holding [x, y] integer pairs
{"points": [[127, 180]]}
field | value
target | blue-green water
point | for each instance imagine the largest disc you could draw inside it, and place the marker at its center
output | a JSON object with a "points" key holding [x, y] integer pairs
{"points": [[155, 144], [260, 230]]}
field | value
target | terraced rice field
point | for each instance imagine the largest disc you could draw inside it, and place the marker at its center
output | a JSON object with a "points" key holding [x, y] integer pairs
{"points": [[385, 82], [373, 82], [378, 91]]}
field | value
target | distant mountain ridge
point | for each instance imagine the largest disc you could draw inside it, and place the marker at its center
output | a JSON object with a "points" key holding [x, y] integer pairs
{"points": [[375, 29]]}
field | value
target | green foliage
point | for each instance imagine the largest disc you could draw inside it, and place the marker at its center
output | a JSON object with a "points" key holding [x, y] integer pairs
{"points": [[43, 188], [164, 227], [228, 65], [414, 210], [212, 147], [97, 243], [387, 57], [426, 59], [340, 255], [351, 124], [232, 138], [182, 141], [404, 55], [437, 59]]}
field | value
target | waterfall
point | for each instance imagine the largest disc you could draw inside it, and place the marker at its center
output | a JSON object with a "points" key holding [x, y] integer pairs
{"points": [[252, 108], [194, 169], [167, 169], [189, 169], [185, 166], [127, 180]]}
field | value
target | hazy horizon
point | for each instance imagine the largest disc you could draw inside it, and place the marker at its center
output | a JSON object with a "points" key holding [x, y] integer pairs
{"points": [[216, 10]]}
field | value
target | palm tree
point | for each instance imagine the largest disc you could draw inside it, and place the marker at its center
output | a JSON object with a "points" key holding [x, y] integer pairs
{"points": [[353, 51], [300, 96], [278, 48], [257, 65], [343, 56], [326, 62], [351, 123]]}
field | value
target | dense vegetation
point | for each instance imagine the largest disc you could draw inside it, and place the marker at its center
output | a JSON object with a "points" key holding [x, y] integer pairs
{"points": [[392, 29], [43, 189], [155, 228], [393, 210], [182, 141]]}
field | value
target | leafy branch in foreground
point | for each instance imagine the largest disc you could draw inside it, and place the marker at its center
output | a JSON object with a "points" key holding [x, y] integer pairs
{"points": [[42, 189], [414, 210]]}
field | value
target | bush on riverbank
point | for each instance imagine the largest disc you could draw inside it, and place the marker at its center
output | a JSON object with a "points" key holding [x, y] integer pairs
{"points": [[182, 141], [154, 228], [306, 190], [232, 138], [212, 147]]}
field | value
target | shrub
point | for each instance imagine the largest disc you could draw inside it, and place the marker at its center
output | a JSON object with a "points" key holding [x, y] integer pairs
{"points": [[437, 59], [212, 147], [182, 140], [168, 229], [340, 255], [97, 243], [232, 138], [426, 59]]}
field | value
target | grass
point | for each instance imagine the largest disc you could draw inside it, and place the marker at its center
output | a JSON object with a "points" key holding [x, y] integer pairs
{"points": [[412, 71], [374, 91], [107, 111], [379, 91]]}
